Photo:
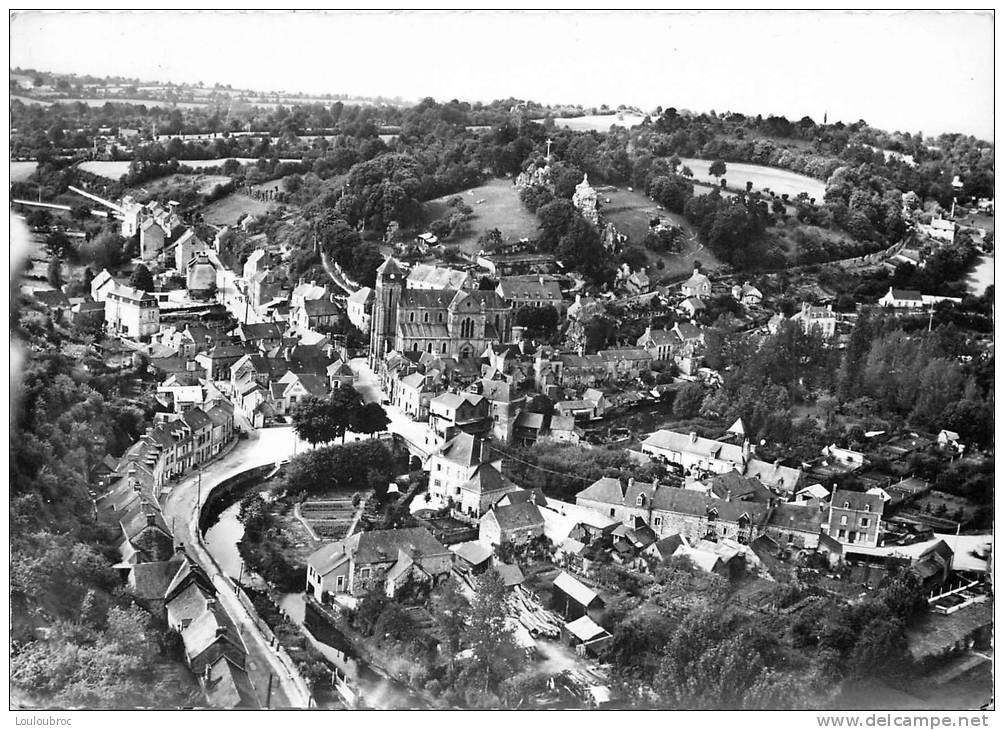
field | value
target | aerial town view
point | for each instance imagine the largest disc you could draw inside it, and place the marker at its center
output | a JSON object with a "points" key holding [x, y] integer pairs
{"points": [[443, 389]]}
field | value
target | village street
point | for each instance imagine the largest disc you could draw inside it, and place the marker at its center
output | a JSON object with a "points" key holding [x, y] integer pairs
{"points": [[181, 509], [416, 434], [264, 446]]}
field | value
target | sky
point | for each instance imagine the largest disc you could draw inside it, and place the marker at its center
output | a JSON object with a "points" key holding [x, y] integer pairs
{"points": [[908, 71]]}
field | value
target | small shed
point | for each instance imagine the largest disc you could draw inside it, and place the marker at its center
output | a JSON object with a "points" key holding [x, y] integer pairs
{"points": [[586, 635], [573, 599]]}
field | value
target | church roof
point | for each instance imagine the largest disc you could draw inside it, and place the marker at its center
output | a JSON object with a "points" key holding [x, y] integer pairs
{"points": [[390, 269]]}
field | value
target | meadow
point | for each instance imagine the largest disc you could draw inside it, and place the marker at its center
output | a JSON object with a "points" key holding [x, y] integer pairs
{"points": [[500, 208], [763, 178]]}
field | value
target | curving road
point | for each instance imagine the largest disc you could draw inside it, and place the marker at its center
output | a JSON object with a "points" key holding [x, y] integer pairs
{"points": [[181, 509]]}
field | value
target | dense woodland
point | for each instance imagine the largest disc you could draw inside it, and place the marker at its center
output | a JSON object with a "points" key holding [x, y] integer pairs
{"points": [[78, 638]]}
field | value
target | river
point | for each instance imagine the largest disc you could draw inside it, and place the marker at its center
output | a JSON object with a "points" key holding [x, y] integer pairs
{"points": [[221, 540], [981, 276]]}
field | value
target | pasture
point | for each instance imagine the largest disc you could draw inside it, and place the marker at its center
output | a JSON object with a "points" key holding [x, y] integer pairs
{"points": [[763, 178], [500, 208], [599, 122], [227, 211], [631, 211], [21, 171]]}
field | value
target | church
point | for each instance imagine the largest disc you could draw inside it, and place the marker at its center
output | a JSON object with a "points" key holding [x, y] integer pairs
{"points": [[458, 323]]}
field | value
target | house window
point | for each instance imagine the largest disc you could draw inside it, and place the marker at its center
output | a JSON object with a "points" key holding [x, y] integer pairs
{"points": [[868, 508], [364, 573], [847, 505], [640, 502], [611, 511], [864, 522], [657, 522], [340, 583], [791, 538], [843, 519], [841, 533]]}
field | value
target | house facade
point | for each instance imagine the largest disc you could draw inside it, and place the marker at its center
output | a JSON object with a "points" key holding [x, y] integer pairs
{"points": [[386, 556], [855, 518]]}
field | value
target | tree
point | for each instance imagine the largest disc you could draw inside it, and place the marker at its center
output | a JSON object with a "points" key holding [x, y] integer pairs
{"points": [[688, 401], [141, 278], [54, 273], [717, 168], [370, 419], [316, 421], [496, 656]]}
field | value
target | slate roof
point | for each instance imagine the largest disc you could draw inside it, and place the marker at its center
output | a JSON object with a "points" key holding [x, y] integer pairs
{"points": [[659, 337], [518, 516], [436, 277], [321, 307], [529, 289], [426, 298], [196, 418], [466, 450], [803, 518], [390, 268], [423, 330], [671, 499], [528, 419], [857, 501], [667, 546], [260, 331], [625, 353], [228, 685], [907, 295], [380, 546], [487, 479]]}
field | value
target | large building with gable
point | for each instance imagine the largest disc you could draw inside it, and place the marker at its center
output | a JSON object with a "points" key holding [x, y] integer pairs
{"points": [[458, 323]]}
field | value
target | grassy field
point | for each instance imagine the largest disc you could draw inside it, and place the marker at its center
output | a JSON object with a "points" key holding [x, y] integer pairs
{"points": [[631, 211], [21, 171], [783, 236], [206, 183], [737, 174], [501, 208], [114, 169], [599, 122], [227, 211]]}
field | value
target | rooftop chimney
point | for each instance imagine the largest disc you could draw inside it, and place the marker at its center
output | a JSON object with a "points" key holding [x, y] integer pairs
{"points": [[693, 437], [151, 519], [630, 481]]}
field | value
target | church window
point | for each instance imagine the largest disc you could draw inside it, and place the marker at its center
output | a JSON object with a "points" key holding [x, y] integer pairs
{"points": [[425, 317], [440, 317], [428, 347], [442, 348], [411, 316], [414, 347]]}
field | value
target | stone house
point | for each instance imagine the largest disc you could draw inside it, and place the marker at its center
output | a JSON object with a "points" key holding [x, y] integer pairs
{"points": [[390, 557]]}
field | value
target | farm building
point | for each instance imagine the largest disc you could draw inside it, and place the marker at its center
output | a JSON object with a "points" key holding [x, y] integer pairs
{"points": [[573, 599]]}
